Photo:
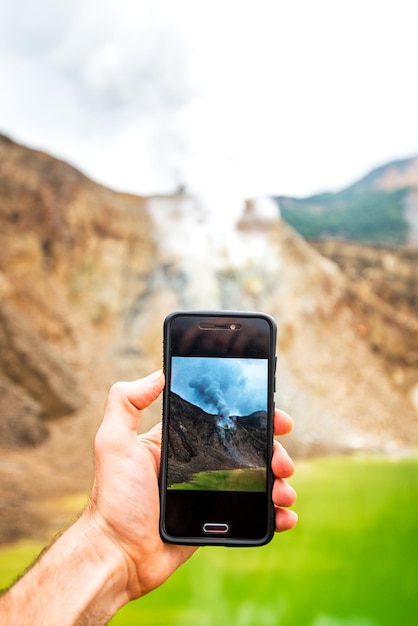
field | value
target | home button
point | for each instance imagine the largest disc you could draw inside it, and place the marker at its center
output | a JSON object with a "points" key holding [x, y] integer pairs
{"points": [[215, 528]]}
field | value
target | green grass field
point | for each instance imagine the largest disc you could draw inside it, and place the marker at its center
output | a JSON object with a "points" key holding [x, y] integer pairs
{"points": [[248, 479], [351, 561]]}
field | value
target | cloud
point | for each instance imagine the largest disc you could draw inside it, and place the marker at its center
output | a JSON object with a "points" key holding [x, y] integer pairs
{"points": [[242, 97], [109, 75], [209, 392]]}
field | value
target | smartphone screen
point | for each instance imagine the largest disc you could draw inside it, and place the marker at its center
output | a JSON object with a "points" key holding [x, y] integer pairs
{"points": [[215, 477]]}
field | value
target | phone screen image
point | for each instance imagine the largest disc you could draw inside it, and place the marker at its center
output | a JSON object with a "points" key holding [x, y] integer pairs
{"points": [[218, 424], [215, 474]]}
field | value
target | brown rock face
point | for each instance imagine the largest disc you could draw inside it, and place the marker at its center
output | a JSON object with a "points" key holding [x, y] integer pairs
{"points": [[383, 289], [20, 424], [73, 256], [35, 365], [68, 249]]}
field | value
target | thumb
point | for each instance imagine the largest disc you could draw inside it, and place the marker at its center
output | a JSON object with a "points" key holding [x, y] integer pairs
{"points": [[127, 399]]}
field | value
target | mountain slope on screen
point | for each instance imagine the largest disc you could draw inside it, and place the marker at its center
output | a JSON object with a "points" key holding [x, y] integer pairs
{"points": [[198, 443]]}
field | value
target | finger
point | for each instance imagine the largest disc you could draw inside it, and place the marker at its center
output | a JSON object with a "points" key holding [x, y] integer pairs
{"points": [[152, 439], [285, 519], [281, 463], [127, 399], [283, 494], [153, 435], [283, 423]]}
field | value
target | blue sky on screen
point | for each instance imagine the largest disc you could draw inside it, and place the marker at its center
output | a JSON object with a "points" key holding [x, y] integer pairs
{"points": [[221, 386]]}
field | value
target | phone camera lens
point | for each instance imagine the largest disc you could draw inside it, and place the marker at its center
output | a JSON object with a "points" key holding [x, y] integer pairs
{"points": [[232, 326]]}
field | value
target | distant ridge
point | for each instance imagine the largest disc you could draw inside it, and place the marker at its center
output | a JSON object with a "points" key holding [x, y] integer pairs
{"points": [[381, 208]]}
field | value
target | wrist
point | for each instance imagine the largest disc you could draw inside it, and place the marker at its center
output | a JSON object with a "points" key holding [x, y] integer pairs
{"points": [[103, 559], [117, 562]]}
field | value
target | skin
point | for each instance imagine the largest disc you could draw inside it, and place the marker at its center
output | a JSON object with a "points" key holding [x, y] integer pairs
{"points": [[113, 553]]}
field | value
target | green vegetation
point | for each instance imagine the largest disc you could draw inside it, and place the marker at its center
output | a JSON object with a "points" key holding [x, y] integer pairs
{"points": [[253, 479], [351, 561], [16, 558], [359, 214]]}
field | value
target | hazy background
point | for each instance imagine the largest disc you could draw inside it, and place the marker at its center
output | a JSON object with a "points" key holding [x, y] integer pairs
{"points": [[252, 98], [225, 100]]}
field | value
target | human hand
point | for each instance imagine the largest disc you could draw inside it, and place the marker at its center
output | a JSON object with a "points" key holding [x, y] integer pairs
{"points": [[283, 467], [125, 495], [125, 498], [113, 552]]}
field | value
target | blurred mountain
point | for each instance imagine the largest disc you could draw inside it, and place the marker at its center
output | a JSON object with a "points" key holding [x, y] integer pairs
{"points": [[382, 208], [87, 276], [72, 256], [390, 273]]}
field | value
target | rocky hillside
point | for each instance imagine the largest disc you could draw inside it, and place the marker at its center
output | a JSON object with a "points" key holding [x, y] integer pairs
{"points": [[208, 445], [87, 276], [391, 273], [383, 283], [382, 208], [74, 259]]}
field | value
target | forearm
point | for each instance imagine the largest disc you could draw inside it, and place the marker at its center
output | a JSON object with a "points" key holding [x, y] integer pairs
{"points": [[81, 580]]}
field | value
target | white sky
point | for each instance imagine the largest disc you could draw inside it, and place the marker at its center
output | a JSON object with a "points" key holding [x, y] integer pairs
{"points": [[243, 97]]}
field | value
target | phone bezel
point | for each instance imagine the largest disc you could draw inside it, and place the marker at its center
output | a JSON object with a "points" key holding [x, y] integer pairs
{"points": [[245, 501]]}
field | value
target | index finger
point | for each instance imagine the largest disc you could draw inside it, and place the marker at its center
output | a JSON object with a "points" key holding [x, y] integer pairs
{"points": [[283, 423]]}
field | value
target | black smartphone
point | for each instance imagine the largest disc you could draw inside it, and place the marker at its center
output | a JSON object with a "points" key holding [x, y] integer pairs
{"points": [[218, 404]]}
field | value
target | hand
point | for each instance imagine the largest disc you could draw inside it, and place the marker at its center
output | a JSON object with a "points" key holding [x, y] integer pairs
{"points": [[125, 499], [125, 496], [283, 467], [113, 552]]}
